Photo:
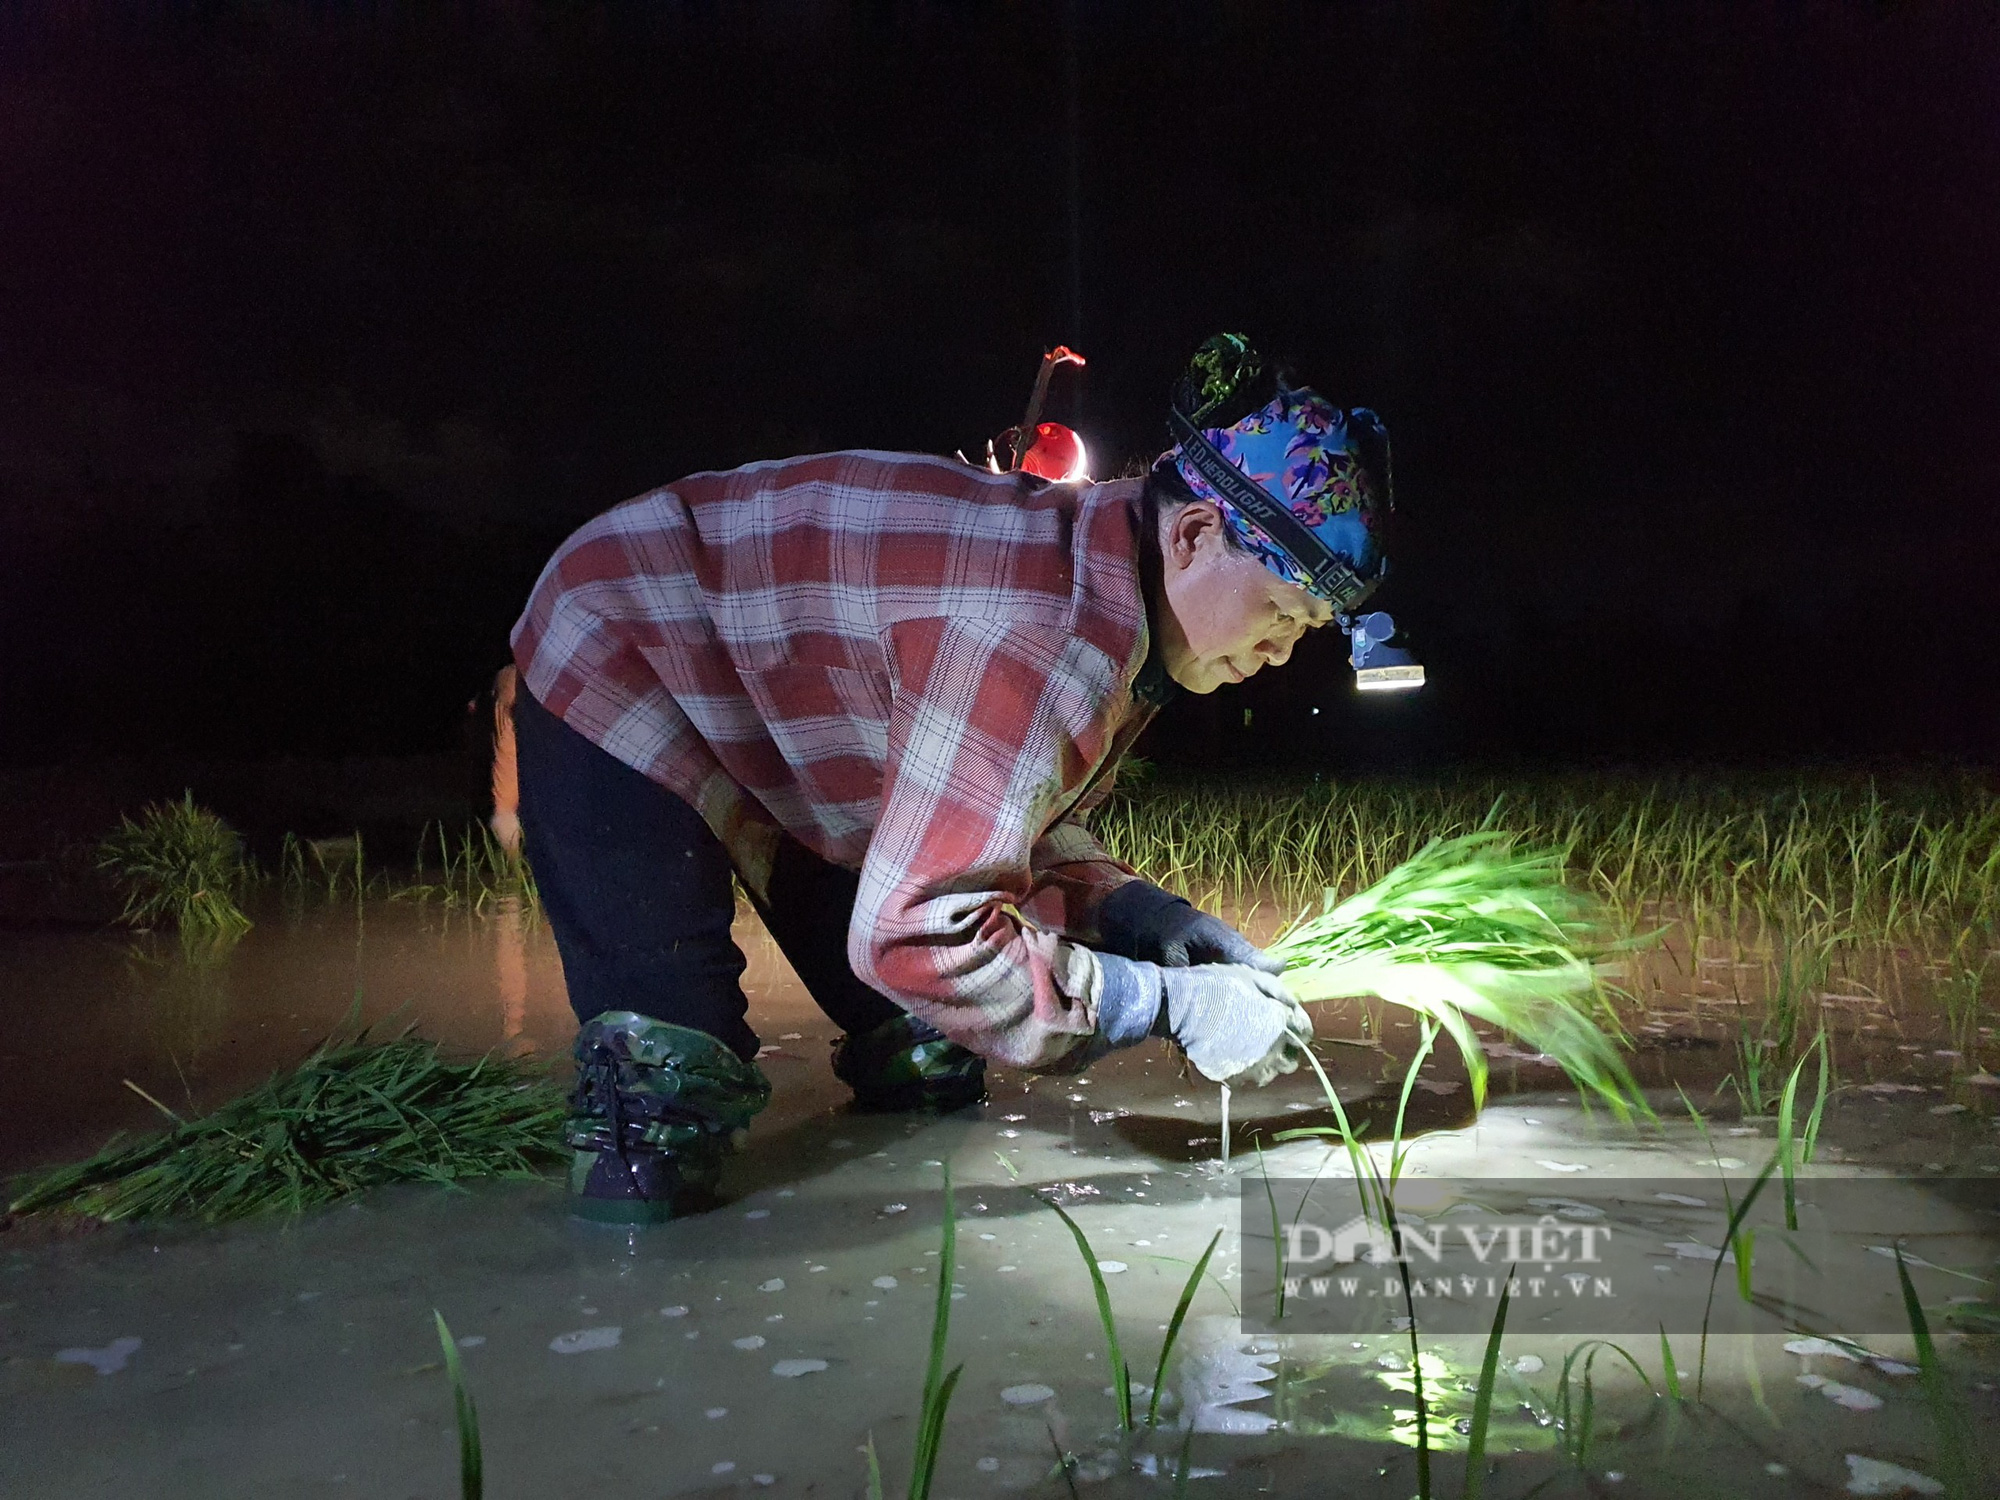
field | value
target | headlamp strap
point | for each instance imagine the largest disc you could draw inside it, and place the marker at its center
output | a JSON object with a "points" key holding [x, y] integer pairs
{"points": [[1331, 576]]}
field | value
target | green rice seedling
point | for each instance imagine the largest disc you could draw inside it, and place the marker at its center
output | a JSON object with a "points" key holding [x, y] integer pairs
{"points": [[352, 1116], [1358, 1160], [1065, 1463], [494, 874], [1378, 1202], [471, 1461], [1947, 1416], [1379, 1199], [1388, 1199], [339, 862], [1482, 1400], [1277, 1233], [938, 1386], [1670, 1378], [1708, 1143], [1742, 1247], [1277, 1238], [1472, 928], [1398, 1151], [1121, 1369], [1370, 1185], [1670, 1375], [1184, 1469], [1743, 1250], [1752, 1071], [1959, 997], [421, 888], [1577, 1420], [180, 865], [1374, 1190], [1121, 1372], [1805, 959], [1789, 1155], [1174, 1332], [477, 874]]}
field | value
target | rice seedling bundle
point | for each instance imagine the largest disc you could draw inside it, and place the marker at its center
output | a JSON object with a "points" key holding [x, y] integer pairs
{"points": [[180, 865], [1474, 928], [353, 1115]]}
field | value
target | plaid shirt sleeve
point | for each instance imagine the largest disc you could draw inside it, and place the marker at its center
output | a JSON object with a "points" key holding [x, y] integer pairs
{"points": [[1073, 875], [1072, 872], [988, 741]]}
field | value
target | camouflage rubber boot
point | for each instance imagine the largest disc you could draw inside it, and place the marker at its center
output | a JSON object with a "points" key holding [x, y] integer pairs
{"points": [[656, 1108], [905, 1064]]}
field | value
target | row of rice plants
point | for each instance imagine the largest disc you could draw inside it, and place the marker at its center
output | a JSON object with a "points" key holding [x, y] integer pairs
{"points": [[181, 866], [475, 872], [1799, 874], [1912, 858]]}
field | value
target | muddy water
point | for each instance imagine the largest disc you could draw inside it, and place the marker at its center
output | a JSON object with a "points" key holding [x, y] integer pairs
{"points": [[88, 1011], [755, 1348]]}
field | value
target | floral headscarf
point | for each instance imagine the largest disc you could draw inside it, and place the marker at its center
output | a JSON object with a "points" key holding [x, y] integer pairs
{"points": [[1300, 449]]}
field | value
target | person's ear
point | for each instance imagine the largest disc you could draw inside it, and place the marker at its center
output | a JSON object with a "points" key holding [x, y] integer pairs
{"points": [[1189, 525]]}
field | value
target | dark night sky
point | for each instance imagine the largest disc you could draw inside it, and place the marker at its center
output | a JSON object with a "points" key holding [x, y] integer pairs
{"points": [[321, 324]]}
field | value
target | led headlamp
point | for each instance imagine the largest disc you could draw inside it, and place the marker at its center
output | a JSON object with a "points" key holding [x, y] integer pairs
{"points": [[1379, 666]]}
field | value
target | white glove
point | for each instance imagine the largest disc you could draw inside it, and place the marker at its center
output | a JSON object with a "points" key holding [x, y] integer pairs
{"points": [[1238, 1025]]}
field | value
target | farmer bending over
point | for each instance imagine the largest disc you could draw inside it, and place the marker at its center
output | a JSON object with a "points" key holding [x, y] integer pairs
{"points": [[884, 691]]}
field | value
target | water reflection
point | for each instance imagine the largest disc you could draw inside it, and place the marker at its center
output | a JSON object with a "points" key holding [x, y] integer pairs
{"points": [[195, 1027], [510, 966], [180, 991]]}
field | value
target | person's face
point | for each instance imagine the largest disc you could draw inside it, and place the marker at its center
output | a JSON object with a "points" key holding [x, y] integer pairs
{"points": [[1225, 616]]}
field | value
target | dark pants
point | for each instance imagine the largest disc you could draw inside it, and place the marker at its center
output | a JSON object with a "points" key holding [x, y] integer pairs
{"points": [[638, 891]]}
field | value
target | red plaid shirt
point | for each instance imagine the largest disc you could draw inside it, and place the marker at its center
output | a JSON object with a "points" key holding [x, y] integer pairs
{"points": [[916, 668]]}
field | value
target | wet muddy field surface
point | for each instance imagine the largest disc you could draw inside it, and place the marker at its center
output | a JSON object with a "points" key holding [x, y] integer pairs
{"points": [[756, 1348]]}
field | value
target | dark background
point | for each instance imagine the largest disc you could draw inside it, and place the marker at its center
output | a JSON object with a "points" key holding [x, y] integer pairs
{"points": [[320, 325]]}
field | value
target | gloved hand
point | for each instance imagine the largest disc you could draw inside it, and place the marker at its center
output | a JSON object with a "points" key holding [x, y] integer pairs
{"points": [[1139, 920], [1238, 1025]]}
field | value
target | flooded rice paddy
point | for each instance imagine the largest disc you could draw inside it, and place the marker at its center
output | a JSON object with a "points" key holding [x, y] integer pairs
{"points": [[757, 1348]]}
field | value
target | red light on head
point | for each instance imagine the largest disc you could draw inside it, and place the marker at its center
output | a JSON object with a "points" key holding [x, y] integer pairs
{"points": [[1057, 453]]}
